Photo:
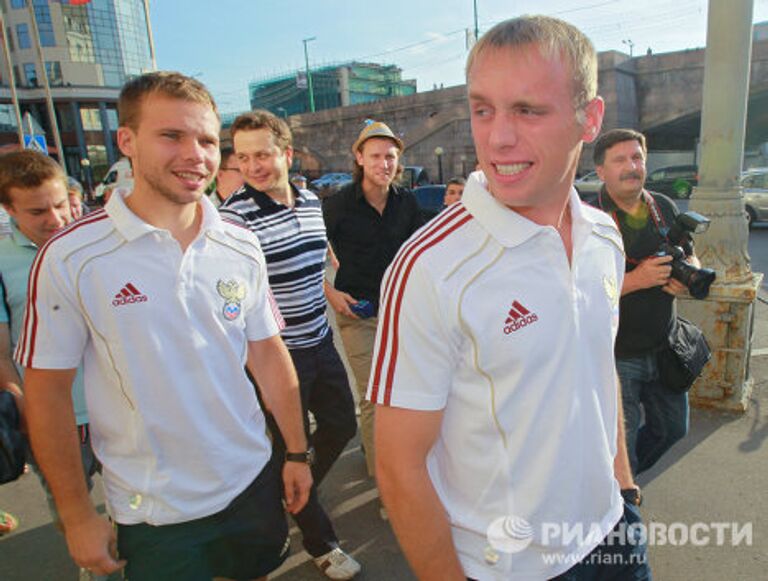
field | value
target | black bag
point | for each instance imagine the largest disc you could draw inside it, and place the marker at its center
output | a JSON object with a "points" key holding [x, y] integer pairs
{"points": [[683, 360], [12, 444]]}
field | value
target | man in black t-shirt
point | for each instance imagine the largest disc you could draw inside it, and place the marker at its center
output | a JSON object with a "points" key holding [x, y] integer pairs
{"points": [[647, 309], [367, 221]]}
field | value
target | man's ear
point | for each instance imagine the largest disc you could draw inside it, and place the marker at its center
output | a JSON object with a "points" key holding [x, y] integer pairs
{"points": [[593, 113], [126, 139]]}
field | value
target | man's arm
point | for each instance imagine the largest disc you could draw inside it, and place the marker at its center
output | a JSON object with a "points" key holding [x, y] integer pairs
{"points": [[621, 467], [270, 364], [403, 439], [9, 375], [51, 421]]}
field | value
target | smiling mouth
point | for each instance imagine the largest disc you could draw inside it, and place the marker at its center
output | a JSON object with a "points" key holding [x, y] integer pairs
{"points": [[511, 169], [191, 176]]}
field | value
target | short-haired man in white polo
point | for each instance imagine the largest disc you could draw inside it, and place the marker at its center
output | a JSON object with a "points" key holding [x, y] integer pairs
{"points": [[499, 443], [140, 292]]}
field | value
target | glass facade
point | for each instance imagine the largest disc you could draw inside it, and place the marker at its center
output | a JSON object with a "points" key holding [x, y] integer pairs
{"points": [[53, 70]]}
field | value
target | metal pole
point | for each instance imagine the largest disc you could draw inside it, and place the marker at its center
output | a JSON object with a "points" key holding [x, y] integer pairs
{"points": [[46, 86], [149, 34], [477, 30], [309, 76], [11, 80]]}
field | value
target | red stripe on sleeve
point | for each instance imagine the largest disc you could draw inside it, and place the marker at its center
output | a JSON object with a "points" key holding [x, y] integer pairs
{"points": [[26, 348], [394, 289]]}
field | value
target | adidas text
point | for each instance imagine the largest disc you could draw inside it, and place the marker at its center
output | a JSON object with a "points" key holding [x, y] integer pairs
{"points": [[520, 323]]}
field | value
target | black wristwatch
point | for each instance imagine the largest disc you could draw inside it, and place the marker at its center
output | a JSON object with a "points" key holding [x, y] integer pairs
{"points": [[632, 496], [307, 457]]}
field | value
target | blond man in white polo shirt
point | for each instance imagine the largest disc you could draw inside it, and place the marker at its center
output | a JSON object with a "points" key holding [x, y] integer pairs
{"points": [[499, 443], [140, 292]]}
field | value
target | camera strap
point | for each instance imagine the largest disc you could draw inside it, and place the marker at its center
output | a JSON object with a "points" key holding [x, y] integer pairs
{"points": [[653, 209]]}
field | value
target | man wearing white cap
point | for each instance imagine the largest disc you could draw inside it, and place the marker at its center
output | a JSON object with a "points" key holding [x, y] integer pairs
{"points": [[367, 222]]}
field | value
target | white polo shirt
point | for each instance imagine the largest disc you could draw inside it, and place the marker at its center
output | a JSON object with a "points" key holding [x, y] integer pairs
{"points": [[483, 317], [163, 337]]}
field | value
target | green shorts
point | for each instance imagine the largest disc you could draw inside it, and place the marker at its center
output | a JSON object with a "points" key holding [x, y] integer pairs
{"points": [[248, 539]]}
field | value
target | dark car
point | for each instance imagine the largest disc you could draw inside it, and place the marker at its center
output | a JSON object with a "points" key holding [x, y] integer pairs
{"points": [[330, 183], [430, 199], [676, 181], [413, 176]]}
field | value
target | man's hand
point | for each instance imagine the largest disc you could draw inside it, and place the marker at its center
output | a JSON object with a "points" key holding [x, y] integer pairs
{"points": [[297, 480], [93, 545], [651, 272], [340, 301], [674, 286]]}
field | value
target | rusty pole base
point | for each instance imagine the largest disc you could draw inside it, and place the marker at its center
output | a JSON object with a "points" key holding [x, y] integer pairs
{"points": [[727, 318]]}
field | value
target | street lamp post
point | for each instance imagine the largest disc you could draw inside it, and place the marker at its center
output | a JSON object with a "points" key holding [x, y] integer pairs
{"points": [[439, 154], [309, 76]]}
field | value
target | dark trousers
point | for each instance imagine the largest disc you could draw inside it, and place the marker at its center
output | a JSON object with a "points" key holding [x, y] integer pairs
{"points": [[325, 392]]}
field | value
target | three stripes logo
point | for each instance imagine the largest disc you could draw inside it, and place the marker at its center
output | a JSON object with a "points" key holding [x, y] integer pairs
{"points": [[518, 317], [129, 294]]}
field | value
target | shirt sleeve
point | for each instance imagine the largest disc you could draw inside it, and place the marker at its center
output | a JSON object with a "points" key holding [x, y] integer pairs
{"points": [[54, 332], [414, 356], [263, 319], [231, 215], [330, 216]]}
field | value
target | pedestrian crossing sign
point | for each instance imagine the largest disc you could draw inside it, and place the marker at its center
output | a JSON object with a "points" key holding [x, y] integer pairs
{"points": [[36, 142]]}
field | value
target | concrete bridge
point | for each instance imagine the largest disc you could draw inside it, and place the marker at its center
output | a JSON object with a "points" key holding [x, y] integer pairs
{"points": [[658, 94]]}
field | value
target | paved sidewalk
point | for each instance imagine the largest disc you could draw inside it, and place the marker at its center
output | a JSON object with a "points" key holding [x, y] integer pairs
{"points": [[718, 474]]}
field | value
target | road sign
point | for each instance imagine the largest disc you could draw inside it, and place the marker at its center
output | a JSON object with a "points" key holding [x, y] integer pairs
{"points": [[36, 142]]}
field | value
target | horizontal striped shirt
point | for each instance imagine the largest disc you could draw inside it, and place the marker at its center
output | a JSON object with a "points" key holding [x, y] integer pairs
{"points": [[295, 246]]}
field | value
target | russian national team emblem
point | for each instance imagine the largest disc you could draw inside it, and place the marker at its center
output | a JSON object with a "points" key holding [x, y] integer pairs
{"points": [[233, 294], [611, 290]]}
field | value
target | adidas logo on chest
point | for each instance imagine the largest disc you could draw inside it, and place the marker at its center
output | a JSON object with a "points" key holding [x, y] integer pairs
{"points": [[518, 318], [129, 294]]}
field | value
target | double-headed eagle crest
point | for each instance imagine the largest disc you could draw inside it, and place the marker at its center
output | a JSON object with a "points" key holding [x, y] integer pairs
{"points": [[233, 293]]}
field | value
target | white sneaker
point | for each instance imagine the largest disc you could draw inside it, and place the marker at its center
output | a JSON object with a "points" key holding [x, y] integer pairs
{"points": [[336, 564]]}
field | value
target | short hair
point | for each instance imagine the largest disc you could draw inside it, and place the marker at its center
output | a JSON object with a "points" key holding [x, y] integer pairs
{"points": [[262, 119], [556, 39], [25, 170], [611, 138], [226, 152], [456, 181], [166, 83]]}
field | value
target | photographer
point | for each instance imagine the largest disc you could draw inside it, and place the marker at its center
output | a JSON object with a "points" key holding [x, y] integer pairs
{"points": [[647, 309]]}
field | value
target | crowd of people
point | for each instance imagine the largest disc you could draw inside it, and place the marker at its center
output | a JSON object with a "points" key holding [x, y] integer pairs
{"points": [[503, 355]]}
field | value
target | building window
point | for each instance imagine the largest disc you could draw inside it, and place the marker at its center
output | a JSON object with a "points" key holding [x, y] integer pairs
{"points": [[17, 75], [53, 69], [44, 23], [18, 3], [112, 119], [30, 74], [7, 119], [22, 35], [91, 119]]}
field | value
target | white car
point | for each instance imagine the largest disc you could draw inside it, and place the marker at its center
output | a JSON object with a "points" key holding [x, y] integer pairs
{"points": [[120, 175], [588, 184], [755, 184]]}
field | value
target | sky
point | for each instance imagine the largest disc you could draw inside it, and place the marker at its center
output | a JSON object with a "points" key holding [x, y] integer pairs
{"points": [[227, 43]]}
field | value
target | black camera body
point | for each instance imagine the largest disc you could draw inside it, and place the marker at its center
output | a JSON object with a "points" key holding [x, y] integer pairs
{"points": [[698, 280]]}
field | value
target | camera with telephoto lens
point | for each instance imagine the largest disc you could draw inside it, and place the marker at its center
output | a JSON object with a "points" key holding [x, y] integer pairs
{"points": [[698, 280]]}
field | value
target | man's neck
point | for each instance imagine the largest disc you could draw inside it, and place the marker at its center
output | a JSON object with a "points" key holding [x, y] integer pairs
{"points": [[375, 195], [282, 195], [181, 220], [628, 202]]}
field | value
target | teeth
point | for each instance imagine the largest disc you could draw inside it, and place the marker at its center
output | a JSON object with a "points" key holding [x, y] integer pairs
{"points": [[188, 176], [511, 169]]}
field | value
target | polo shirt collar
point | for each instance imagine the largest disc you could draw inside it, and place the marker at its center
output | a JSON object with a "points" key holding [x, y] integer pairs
{"points": [[264, 200], [507, 226], [18, 237], [132, 227]]}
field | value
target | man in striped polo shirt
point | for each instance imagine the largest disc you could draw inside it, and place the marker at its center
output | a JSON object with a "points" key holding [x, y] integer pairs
{"points": [[289, 224]]}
